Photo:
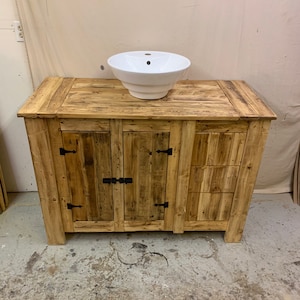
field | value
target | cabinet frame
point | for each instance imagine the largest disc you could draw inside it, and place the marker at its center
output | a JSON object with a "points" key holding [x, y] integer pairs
{"points": [[48, 115]]}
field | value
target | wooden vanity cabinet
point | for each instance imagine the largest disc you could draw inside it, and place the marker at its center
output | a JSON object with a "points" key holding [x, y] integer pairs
{"points": [[108, 162]]}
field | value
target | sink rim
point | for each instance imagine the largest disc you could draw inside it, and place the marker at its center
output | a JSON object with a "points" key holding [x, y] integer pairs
{"points": [[186, 63]]}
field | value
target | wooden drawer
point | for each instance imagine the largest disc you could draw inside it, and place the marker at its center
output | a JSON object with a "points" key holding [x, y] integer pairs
{"points": [[218, 148]]}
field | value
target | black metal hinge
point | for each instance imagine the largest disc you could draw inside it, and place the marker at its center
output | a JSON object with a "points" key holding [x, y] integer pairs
{"points": [[70, 205], [165, 205], [115, 180], [63, 151]]}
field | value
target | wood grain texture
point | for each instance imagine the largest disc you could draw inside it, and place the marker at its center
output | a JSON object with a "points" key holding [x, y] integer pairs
{"points": [[90, 125], [205, 225], [245, 101], [216, 129], [117, 170], [39, 141], [94, 226], [255, 143], [148, 170], [40, 99], [64, 192], [187, 139], [208, 206], [188, 100], [173, 162]]}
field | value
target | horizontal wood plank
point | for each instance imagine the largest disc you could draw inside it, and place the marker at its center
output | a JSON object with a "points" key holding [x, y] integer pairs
{"points": [[84, 125], [146, 125], [245, 101], [94, 226], [103, 98], [205, 225], [157, 225]]}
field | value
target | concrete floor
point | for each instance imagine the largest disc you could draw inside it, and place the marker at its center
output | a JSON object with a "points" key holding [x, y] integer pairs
{"points": [[161, 265]]}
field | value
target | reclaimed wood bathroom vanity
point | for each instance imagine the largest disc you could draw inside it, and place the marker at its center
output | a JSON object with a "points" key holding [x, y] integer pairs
{"points": [[108, 162]]}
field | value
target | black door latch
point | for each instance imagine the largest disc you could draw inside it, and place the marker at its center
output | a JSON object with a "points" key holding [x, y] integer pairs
{"points": [[115, 180], [165, 205], [168, 151], [63, 151], [70, 205]]}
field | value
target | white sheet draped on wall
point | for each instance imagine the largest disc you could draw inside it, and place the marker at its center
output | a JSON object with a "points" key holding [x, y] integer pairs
{"points": [[257, 41]]}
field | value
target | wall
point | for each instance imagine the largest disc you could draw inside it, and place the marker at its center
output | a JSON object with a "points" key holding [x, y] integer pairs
{"points": [[15, 86], [257, 41]]}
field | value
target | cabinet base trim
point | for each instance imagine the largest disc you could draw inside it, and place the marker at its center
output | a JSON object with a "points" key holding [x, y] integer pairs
{"points": [[94, 226], [205, 225], [144, 225]]}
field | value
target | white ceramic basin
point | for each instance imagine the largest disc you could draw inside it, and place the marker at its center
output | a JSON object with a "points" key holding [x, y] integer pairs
{"points": [[148, 74]]}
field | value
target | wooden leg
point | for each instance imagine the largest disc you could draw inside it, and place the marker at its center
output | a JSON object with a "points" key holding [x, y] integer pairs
{"points": [[39, 141], [256, 138]]}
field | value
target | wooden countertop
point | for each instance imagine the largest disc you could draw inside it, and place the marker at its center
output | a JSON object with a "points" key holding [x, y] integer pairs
{"points": [[108, 99]]}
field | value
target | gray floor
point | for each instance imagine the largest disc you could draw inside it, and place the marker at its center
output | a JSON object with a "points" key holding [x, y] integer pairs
{"points": [[199, 265]]}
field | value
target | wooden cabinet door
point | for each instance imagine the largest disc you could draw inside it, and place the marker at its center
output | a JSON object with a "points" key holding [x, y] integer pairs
{"points": [[88, 161], [217, 154], [140, 153], [146, 162]]}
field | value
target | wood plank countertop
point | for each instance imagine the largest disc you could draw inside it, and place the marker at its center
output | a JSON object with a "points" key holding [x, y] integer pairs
{"points": [[108, 99]]}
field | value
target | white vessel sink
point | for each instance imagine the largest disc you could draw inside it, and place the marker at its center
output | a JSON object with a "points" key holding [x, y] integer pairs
{"points": [[148, 74]]}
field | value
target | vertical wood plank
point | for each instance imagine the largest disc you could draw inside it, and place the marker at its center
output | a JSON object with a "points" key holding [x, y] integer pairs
{"points": [[39, 141], [187, 142], [200, 150], [213, 143], [138, 147], [130, 171], [148, 169], [61, 174], [117, 171], [76, 174], [192, 207], [224, 206], [159, 175], [172, 173], [104, 192], [237, 148], [144, 199], [214, 206], [89, 178], [256, 139]]}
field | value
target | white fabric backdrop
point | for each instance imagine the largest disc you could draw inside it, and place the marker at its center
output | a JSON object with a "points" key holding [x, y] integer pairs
{"points": [[254, 40]]}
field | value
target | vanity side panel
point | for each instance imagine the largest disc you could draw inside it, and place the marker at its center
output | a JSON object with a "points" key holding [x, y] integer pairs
{"points": [[256, 138], [38, 135]]}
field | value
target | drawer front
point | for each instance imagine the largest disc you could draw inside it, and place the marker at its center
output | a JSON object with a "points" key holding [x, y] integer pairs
{"points": [[218, 148], [209, 206], [213, 179], [217, 154]]}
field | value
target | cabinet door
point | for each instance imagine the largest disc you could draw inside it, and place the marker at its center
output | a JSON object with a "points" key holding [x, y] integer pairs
{"points": [[97, 164], [146, 162], [87, 163], [217, 154]]}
